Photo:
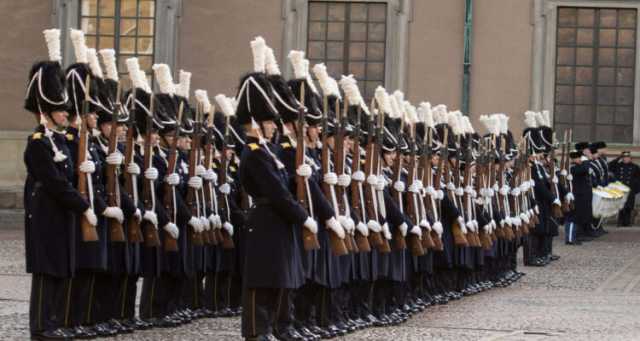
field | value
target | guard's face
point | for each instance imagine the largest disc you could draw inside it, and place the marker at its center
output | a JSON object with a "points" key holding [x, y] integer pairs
{"points": [[348, 144], [269, 128], [154, 139], [312, 133], [92, 120], [105, 129], [389, 157], [435, 158], [586, 153], [60, 118], [184, 142], [121, 132], [626, 159]]}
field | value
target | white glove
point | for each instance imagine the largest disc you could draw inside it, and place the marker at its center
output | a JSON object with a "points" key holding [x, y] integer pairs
{"points": [[304, 170], [133, 168], [555, 179], [490, 192], [417, 231], [330, 178], [358, 176], [195, 182], [399, 186], [556, 201], [336, 227], [386, 232], [437, 226], [584, 158], [344, 180], [196, 224], [459, 191], [516, 221], [380, 184], [431, 191], [524, 217], [228, 227], [403, 229], [570, 177], [115, 158], [206, 225], [87, 166], [215, 221], [374, 226], [416, 186], [440, 194], [138, 214], [91, 217], [311, 225], [424, 223], [114, 213], [515, 192], [151, 217], [569, 197], [225, 189], [563, 172], [463, 226], [200, 170], [210, 175], [362, 227], [504, 190], [451, 186], [172, 230], [537, 209], [172, 179], [372, 180], [151, 173], [471, 226], [487, 228]]}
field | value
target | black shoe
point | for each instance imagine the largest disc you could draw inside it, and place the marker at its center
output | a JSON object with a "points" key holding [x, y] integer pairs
{"points": [[308, 334], [104, 330], [166, 322], [289, 334], [322, 332], [139, 324], [333, 329], [226, 312], [82, 333], [554, 258], [268, 337], [575, 242], [56, 334]]}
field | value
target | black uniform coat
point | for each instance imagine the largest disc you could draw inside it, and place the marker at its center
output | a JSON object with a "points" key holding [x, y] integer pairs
{"points": [[544, 199], [52, 205], [582, 192], [271, 246]]}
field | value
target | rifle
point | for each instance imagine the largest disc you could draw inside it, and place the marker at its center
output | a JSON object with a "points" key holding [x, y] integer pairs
{"points": [[169, 200], [130, 180], [227, 240], [481, 172], [357, 194], [507, 230], [89, 232], [151, 237], [309, 239], [116, 230], [399, 241], [192, 193], [458, 235], [467, 202], [430, 239], [343, 204], [209, 193], [377, 166], [556, 209], [413, 211], [371, 201]]}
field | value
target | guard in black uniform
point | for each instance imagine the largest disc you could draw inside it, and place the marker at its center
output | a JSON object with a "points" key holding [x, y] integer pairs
{"points": [[624, 170]]}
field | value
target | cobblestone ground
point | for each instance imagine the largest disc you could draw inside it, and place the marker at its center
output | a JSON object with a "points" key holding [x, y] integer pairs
{"points": [[592, 293]]}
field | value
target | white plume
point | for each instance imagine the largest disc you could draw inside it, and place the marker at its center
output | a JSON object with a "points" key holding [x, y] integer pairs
{"points": [[350, 88], [225, 105], [312, 85], [410, 112], [52, 38], [109, 61], [530, 119], [164, 78], [503, 123], [79, 46], [335, 89], [547, 118], [539, 119], [94, 64], [137, 76], [452, 121], [468, 128], [184, 85], [440, 114], [427, 114], [496, 124], [203, 98], [486, 122], [297, 63], [271, 62], [382, 98], [396, 111], [320, 70], [146, 81], [399, 95], [258, 48]]}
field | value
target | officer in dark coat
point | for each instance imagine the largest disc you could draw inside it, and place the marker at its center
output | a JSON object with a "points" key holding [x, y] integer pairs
{"points": [[627, 172], [52, 204], [270, 268]]}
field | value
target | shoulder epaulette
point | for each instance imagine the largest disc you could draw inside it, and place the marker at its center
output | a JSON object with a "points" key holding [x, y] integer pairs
{"points": [[285, 145], [254, 146], [232, 168], [69, 137], [36, 136]]}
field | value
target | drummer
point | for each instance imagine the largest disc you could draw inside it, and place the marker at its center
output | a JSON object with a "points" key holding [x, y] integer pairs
{"points": [[627, 172]]}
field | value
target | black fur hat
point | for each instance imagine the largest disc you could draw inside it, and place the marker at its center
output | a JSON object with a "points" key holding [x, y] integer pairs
{"points": [[313, 116], [580, 146], [255, 99], [76, 75], [46, 90], [285, 100]]}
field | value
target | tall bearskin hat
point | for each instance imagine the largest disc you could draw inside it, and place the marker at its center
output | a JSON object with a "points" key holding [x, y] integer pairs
{"points": [[167, 100], [110, 90], [300, 66], [285, 101], [46, 91], [546, 132], [255, 94], [77, 74]]}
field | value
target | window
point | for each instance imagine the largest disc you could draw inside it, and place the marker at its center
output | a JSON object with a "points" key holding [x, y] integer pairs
{"points": [[350, 38], [595, 73], [127, 26]]}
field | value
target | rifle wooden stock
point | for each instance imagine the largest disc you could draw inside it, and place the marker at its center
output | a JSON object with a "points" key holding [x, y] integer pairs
{"points": [[134, 233], [89, 232], [226, 238], [151, 236], [196, 238], [362, 242], [208, 156]]}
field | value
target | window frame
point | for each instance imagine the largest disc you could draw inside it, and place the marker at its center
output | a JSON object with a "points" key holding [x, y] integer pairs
{"points": [[543, 75], [399, 15]]}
